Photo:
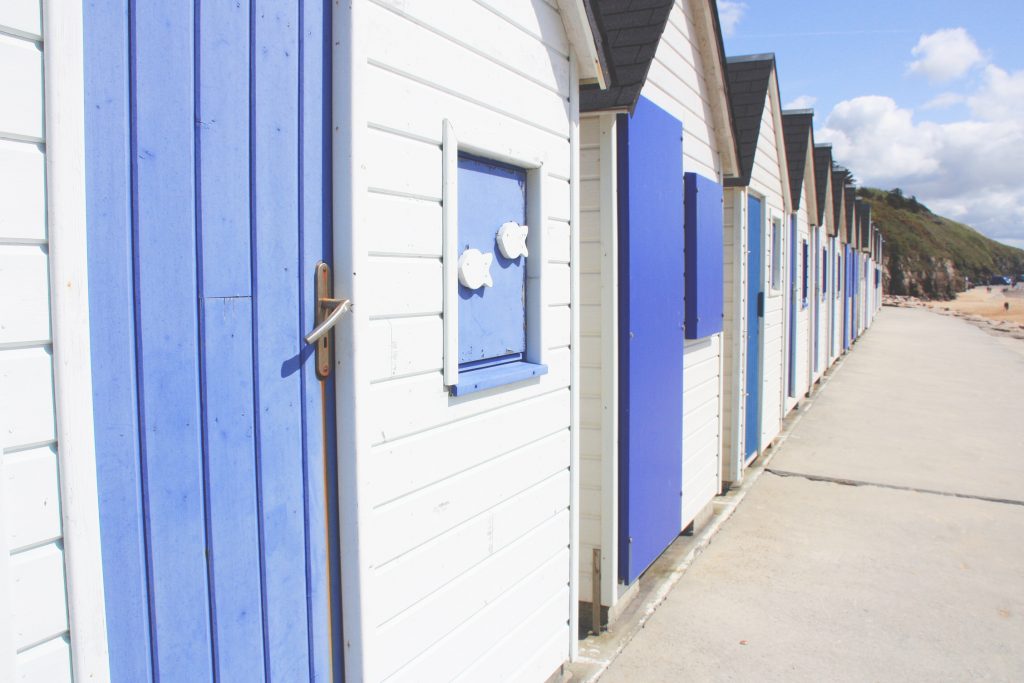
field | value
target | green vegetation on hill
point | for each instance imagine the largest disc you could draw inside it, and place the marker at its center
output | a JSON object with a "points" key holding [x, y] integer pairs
{"points": [[932, 257]]}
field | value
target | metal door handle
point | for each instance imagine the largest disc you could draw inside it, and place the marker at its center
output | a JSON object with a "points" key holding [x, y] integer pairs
{"points": [[328, 313], [336, 308]]}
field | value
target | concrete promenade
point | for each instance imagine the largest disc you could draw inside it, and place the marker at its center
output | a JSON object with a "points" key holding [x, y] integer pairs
{"points": [[885, 540]]}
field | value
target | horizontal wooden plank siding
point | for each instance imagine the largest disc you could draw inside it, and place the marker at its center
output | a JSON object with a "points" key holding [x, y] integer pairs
{"points": [[32, 575], [702, 424], [469, 497]]}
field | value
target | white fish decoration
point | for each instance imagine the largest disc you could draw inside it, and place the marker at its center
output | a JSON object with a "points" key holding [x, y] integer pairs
{"points": [[512, 240], [475, 269]]}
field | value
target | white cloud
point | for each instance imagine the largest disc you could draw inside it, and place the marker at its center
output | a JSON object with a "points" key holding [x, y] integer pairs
{"points": [[802, 102], [967, 170], [945, 55], [1001, 96], [729, 14], [944, 101]]}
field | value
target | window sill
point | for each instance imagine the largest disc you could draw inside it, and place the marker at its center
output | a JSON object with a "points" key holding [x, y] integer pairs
{"points": [[481, 379]]}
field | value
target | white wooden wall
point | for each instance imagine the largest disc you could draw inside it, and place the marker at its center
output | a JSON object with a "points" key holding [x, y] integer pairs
{"points": [[734, 344], [767, 181], [593, 336], [34, 633], [466, 534], [803, 315], [823, 312], [837, 292], [677, 84]]}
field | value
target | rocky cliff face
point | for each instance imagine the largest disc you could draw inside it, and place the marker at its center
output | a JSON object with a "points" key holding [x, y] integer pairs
{"points": [[931, 257]]}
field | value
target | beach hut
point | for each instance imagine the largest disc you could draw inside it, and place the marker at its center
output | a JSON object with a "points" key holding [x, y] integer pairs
{"points": [[864, 271], [841, 276], [802, 307], [850, 261], [760, 203], [824, 278], [246, 492], [656, 146]]}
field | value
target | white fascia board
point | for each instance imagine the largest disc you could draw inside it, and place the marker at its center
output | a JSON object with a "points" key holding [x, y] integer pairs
{"points": [[581, 37]]}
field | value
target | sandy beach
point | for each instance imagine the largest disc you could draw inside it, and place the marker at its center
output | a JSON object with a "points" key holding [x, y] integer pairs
{"points": [[988, 302], [984, 308]]}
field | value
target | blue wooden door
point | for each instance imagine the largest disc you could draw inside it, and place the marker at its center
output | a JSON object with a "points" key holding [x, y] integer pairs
{"points": [[755, 314], [793, 293], [651, 317], [208, 206], [847, 297]]}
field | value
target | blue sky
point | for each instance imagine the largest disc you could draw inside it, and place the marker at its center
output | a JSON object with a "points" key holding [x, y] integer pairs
{"points": [[926, 96]]}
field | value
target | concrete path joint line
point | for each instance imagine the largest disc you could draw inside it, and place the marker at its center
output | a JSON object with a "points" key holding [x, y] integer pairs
{"points": [[896, 487]]}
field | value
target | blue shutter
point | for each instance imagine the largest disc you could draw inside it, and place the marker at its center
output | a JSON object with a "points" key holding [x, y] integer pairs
{"points": [[703, 236], [492, 320]]}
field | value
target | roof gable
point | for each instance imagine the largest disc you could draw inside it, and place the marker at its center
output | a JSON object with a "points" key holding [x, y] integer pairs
{"points": [[628, 32], [748, 78], [839, 176], [796, 130], [823, 182], [850, 205]]}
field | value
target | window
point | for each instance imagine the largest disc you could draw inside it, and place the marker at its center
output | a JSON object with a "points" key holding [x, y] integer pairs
{"points": [[824, 271], [776, 262], [492, 284], [805, 254], [838, 273]]}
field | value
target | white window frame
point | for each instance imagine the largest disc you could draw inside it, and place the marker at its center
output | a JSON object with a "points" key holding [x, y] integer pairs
{"points": [[536, 302], [775, 257]]}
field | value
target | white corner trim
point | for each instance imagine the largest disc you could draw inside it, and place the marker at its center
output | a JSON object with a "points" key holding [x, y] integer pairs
{"points": [[66, 221], [574, 342], [352, 280], [609, 361], [449, 251], [577, 29]]}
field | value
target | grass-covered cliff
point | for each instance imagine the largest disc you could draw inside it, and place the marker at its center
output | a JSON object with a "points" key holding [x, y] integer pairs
{"points": [[929, 256]]}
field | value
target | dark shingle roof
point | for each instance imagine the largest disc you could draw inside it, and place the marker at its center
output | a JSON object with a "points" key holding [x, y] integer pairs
{"points": [[748, 78], [850, 197], [864, 224], [822, 169], [628, 33], [839, 177], [796, 131]]}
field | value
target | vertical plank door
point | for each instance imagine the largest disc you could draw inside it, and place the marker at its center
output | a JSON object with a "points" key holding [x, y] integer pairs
{"points": [[208, 205], [651, 336], [755, 317]]}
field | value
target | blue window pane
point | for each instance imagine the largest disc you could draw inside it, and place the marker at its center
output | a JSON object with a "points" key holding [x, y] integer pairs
{"points": [[492, 320]]}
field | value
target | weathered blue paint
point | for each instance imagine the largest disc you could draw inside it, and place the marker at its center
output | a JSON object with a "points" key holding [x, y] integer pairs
{"points": [[492, 320], [474, 379], [108, 155], [651, 317], [208, 196], [791, 293], [167, 338], [703, 235], [755, 319], [805, 274]]}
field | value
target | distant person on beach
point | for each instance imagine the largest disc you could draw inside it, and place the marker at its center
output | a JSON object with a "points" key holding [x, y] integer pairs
{"points": [[1006, 305]]}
